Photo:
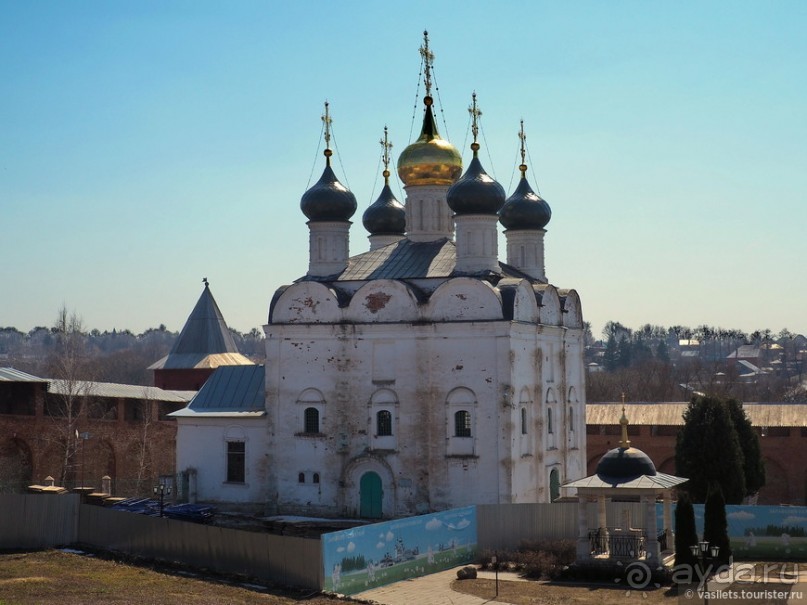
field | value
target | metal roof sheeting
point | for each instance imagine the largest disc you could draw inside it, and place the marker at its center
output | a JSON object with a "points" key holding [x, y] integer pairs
{"points": [[231, 390], [657, 481], [12, 375], [671, 414], [194, 361], [87, 388]]}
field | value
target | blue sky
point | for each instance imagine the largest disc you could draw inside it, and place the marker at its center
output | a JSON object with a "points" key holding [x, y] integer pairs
{"points": [[146, 145]]}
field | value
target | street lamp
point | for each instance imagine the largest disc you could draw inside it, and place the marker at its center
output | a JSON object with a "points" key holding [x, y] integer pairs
{"points": [[699, 550], [162, 489]]}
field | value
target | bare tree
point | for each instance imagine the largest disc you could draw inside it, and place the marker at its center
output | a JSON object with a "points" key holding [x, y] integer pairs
{"points": [[69, 367]]}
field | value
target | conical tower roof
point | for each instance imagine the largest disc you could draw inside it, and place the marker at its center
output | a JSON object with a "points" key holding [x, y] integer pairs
{"points": [[205, 341]]}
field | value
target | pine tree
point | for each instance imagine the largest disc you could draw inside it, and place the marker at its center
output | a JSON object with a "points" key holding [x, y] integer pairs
{"points": [[685, 532], [610, 360]]}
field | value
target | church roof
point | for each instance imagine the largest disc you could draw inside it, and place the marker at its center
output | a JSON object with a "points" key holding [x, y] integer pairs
{"points": [[205, 340], [230, 391], [407, 259]]}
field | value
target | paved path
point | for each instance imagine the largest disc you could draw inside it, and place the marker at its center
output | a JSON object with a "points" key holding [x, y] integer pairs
{"points": [[434, 589]]}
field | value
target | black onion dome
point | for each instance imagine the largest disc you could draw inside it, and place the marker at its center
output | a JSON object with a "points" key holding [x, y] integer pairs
{"points": [[525, 209], [621, 465], [328, 199], [386, 215], [475, 192]]}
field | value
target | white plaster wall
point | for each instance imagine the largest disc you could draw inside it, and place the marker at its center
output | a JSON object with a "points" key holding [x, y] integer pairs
{"points": [[202, 445]]}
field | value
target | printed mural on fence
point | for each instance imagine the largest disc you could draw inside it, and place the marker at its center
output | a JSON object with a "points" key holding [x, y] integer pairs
{"points": [[772, 533], [364, 557]]}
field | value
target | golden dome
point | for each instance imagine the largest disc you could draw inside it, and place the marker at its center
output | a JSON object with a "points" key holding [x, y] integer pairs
{"points": [[431, 160]]}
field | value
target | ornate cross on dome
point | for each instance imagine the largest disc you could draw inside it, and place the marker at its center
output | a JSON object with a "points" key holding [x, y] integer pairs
{"points": [[428, 60], [475, 113], [326, 119], [523, 168], [387, 145], [624, 442]]}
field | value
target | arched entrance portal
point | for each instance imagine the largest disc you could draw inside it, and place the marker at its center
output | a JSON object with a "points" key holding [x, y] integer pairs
{"points": [[371, 495]]}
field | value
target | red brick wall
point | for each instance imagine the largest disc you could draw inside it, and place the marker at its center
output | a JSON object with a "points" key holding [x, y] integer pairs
{"points": [[784, 456]]}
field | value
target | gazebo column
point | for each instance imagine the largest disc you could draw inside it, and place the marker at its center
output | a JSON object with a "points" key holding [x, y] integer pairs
{"points": [[667, 508], [603, 543], [583, 542], [652, 545]]}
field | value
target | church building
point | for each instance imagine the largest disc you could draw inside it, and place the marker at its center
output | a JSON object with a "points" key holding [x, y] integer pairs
{"points": [[420, 375]]}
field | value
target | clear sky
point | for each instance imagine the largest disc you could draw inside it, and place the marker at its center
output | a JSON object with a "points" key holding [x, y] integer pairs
{"points": [[146, 145]]}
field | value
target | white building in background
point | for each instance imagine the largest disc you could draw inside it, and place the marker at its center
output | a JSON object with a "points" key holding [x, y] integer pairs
{"points": [[421, 375]]}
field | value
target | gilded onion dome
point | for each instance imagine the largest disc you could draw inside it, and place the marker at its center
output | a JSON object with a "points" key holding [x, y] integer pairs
{"points": [[385, 216], [475, 192], [328, 199], [431, 160], [525, 209]]}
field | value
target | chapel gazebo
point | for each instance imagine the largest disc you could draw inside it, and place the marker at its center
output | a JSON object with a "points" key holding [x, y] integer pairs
{"points": [[624, 474]]}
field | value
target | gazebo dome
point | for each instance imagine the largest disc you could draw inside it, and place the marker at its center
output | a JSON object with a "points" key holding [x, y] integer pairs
{"points": [[623, 464]]}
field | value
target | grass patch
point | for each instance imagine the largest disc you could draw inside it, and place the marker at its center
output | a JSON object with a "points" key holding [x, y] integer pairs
{"points": [[52, 577]]}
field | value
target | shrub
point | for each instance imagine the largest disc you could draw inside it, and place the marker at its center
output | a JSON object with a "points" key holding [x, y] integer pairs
{"points": [[542, 560]]}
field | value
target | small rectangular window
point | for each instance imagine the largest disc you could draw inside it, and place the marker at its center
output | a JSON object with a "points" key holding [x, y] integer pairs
{"points": [[384, 422], [462, 424], [236, 461]]}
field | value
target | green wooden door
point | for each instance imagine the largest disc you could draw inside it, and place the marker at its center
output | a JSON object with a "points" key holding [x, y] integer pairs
{"points": [[554, 485], [371, 494]]}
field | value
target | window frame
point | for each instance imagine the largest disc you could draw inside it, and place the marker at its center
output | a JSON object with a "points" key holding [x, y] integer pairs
{"points": [[236, 462]]}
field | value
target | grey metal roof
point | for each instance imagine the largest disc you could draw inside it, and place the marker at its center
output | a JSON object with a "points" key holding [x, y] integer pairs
{"points": [[12, 375], [231, 390], [671, 414], [657, 481], [86, 388], [406, 259], [205, 334]]}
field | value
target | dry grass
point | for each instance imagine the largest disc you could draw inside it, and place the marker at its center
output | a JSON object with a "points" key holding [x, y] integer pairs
{"points": [[57, 578]]}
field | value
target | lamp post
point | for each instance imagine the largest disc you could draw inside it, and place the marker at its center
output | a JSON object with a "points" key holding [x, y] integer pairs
{"points": [[161, 490], [699, 550]]}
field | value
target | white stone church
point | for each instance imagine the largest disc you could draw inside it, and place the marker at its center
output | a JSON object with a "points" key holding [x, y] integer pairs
{"points": [[420, 375]]}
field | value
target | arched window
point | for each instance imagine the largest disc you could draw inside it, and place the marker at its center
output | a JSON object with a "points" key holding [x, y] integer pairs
{"points": [[384, 423], [462, 424], [571, 419], [316, 478], [311, 420], [549, 421], [300, 477], [523, 421], [554, 485]]}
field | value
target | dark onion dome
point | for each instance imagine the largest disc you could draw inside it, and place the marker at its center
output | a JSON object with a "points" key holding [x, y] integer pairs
{"points": [[525, 209], [623, 464], [328, 199], [475, 192], [431, 160], [386, 215]]}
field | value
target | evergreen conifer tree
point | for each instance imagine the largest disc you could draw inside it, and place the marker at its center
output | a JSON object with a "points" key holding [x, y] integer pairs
{"points": [[685, 532], [753, 465], [715, 525], [708, 451]]}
